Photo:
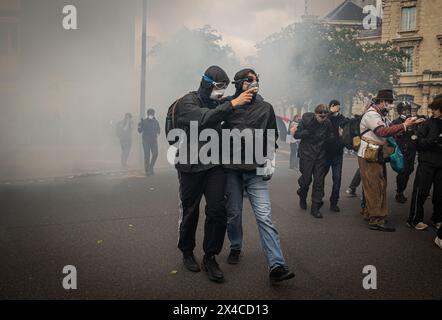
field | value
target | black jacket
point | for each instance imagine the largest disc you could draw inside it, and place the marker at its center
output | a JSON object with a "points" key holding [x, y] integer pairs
{"points": [[429, 142], [192, 108], [259, 114], [150, 128], [314, 137], [336, 145]]}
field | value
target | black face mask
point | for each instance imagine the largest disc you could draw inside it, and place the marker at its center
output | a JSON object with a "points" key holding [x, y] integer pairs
{"points": [[205, 90]]}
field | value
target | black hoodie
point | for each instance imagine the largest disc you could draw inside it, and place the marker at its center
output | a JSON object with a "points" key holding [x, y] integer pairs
{"points": [[197, 106]]}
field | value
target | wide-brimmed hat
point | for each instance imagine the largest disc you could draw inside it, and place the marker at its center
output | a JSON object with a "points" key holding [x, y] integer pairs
{"points": [[385, 95]]}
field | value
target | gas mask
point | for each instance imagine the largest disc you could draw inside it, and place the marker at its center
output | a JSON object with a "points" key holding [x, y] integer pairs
{"points": [[217, 94], [248, 86]]}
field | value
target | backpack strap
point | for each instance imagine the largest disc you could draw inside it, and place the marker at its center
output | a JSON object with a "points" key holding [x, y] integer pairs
{"points": [[366, 131]]}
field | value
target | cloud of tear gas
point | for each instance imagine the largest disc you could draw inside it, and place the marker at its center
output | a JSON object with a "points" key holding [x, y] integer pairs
{"points": [[62, 91]]}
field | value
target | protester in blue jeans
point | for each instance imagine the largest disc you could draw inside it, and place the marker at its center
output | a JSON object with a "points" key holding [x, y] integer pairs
{"points": [[335, 151], [252, 177]]}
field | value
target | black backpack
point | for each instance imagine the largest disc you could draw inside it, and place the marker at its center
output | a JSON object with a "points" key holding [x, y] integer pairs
{"points": [[350, 131], [170, 117]]}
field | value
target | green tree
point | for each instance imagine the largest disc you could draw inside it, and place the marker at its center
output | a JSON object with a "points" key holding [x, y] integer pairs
{"points": [[318, 62]]}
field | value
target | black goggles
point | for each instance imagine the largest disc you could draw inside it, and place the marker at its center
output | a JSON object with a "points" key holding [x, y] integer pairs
{"points": [[247, 79]]}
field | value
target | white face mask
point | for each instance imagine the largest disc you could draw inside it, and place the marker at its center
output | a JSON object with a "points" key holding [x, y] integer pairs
{"points": [[217, 94], [150, 117], [254, 84]]}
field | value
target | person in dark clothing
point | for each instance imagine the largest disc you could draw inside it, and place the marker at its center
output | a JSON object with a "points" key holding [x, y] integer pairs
{"points": [[315, 132], [150, 128], [124, 134], [197, 179], [407, 148], [354, 184], [429, 170], [246, 176], [336, 151]]}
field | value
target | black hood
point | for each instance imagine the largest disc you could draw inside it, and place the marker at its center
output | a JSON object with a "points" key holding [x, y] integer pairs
{"points": [[239, 76], [216, 74]]}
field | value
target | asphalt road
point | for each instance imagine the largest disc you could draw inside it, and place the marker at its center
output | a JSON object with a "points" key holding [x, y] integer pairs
{"points": [[120, 232]]}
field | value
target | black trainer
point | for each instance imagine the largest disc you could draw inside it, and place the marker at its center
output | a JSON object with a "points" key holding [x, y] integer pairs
{"points": [[281, 273], [381, 227], [190, 262], [210, 266], [335, 208], [401, 198], [315, 211], [233, 256], [302, 200]]}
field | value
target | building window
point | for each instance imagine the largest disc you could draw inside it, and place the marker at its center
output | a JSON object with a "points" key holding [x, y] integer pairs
{"points": [[408, 61], [408, 19], [405, 98]]}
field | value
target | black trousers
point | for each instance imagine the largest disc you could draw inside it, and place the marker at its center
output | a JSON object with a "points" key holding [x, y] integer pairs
{"points": [[356, 181], [403, 177], [211, 184], [426, 176], [126, 145], [150, 148], [315, 170]]}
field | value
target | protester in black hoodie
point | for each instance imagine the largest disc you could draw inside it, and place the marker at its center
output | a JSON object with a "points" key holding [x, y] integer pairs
{"points": [[315, 132], [198, 179], [253, 177], [429, 170], [336, 151]]}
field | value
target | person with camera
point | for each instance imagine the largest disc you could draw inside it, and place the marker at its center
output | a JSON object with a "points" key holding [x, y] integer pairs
{"points": [[429, 171], [373, 154], [407, 148]]}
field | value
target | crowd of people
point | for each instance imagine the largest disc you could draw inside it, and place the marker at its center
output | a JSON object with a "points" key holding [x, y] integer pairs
{"points": [[319, 146], [318, 141]]}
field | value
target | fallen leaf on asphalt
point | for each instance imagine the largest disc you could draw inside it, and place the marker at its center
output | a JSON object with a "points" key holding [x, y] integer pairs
{"points": [[152, 189], [174, 272], [131, 226], [99, 241]]}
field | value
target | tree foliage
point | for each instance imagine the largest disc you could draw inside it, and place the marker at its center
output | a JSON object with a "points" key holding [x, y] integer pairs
{"points": [[309, 63]]}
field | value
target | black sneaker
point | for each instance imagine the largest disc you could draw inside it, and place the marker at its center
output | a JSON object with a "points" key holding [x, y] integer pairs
{"points": [[381, 227], [401, 198], [210, 266], [233, 256], [335, 208], [281, 273], [315, 212], [190, 262]]}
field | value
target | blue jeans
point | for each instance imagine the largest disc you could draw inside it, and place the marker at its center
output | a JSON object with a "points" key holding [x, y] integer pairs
{"points": [[259, 196], [336, 167]]}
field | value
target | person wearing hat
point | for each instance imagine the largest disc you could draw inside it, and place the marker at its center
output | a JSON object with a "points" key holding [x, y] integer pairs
{"points": [[407, 148], [372, 154], [429, 170]]}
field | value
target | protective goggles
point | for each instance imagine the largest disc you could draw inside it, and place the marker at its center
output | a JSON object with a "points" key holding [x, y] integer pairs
{"points": [[217, 85], [247, 79]]}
